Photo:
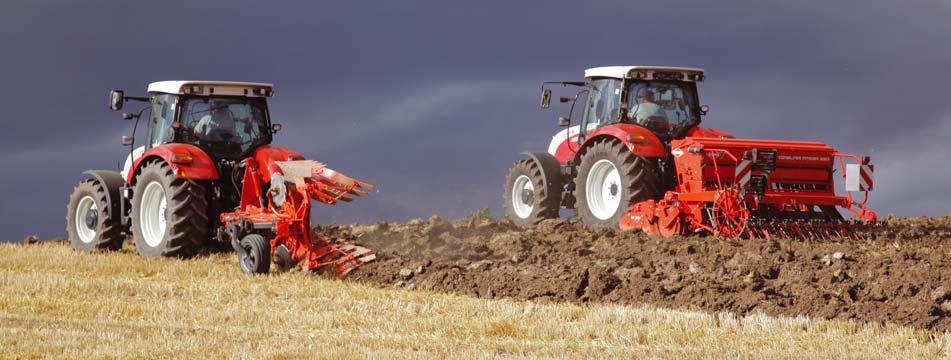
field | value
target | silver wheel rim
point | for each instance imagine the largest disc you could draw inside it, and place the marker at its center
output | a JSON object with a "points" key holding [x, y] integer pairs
{"points": [[522, 187], [152, 214], [603, 189], [86, 234]]}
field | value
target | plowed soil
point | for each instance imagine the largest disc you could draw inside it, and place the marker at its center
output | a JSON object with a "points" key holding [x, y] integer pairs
{"points": [[898, 273]]}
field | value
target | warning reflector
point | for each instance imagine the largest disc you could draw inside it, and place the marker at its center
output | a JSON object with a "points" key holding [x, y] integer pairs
{"points": [[858, 177], [744, 169]]}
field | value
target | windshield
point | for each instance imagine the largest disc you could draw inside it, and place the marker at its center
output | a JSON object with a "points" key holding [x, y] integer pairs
{"points": [[663, 107], [225, 126]]}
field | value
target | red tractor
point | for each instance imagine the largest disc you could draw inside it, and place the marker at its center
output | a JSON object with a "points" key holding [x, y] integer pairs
{"points": [[640, 159], [207, 175]]}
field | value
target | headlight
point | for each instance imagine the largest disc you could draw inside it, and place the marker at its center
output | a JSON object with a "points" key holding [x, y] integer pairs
{"points": [[278, 189]]}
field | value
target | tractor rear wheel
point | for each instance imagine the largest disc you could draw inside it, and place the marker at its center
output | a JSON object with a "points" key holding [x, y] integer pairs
{"points": [[610, 179], [169, 215], [91, 222], [528, 200]]}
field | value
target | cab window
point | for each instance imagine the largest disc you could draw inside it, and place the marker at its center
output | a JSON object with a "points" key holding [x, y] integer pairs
{"points": [[603, 106], [160, 121]]}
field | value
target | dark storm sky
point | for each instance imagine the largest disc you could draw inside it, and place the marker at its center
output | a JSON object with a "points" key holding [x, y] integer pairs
{"points": [[432, 101]]}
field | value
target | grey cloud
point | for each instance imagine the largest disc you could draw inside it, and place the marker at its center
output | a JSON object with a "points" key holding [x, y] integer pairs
{"points": [[912, 172]]}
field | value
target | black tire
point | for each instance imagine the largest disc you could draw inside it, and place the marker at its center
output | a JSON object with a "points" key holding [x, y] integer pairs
{"points": [[544, 199], [257, 257], [639, 180], [186, 214], [104, 221]]}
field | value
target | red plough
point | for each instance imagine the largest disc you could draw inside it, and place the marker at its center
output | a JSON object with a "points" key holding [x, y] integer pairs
{"points": [[283, 213]]}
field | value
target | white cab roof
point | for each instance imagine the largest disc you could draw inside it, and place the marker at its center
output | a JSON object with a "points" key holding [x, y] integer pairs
{"points": [[647, 72], [203, 87]]}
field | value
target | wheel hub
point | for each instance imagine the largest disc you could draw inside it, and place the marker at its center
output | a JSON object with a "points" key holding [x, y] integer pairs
{"points": [[92, 218], [249, 258], [86, 220], [523, 197], [528, 197]]}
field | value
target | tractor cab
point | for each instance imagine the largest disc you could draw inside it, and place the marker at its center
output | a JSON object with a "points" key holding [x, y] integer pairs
{"points": [[225, 119], [661, 99]]}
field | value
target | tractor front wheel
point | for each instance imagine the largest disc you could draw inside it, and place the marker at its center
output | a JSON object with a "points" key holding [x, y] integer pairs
{"points": [[169, 215], [610, 179], [91, 223]]}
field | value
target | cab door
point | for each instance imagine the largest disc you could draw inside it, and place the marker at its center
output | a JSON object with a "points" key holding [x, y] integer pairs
{"points": [[160, 120], [603, 105]]}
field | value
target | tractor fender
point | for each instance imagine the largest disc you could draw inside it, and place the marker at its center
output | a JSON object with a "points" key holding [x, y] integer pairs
{"points": [[638, 140], [186, 161], [265, 157], [551, 170], [113, 182]]}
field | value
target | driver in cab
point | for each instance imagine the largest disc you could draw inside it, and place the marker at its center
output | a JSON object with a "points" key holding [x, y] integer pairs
{"points": [[218, 125], [648, 113]]}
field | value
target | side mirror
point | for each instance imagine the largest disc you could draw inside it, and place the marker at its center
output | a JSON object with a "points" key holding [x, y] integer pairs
{"points": [[563, 121], [126, 140], [116, 99], [546, 98], [704, 109], [275, 128]]}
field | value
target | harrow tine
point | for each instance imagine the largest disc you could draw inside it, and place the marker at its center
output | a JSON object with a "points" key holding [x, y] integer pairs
{"points": [[798, 230], [810, 232], [848, 231], [806, 230], [841, 229], [814, 231], [752, 229], [854, 235], [821, 230]]}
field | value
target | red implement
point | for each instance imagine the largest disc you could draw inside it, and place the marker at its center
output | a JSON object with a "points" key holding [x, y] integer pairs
{"points": [[757, 188], [284, 213]]}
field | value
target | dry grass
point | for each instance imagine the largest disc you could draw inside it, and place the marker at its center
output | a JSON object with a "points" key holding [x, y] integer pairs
{"points": [[56, 303]]}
